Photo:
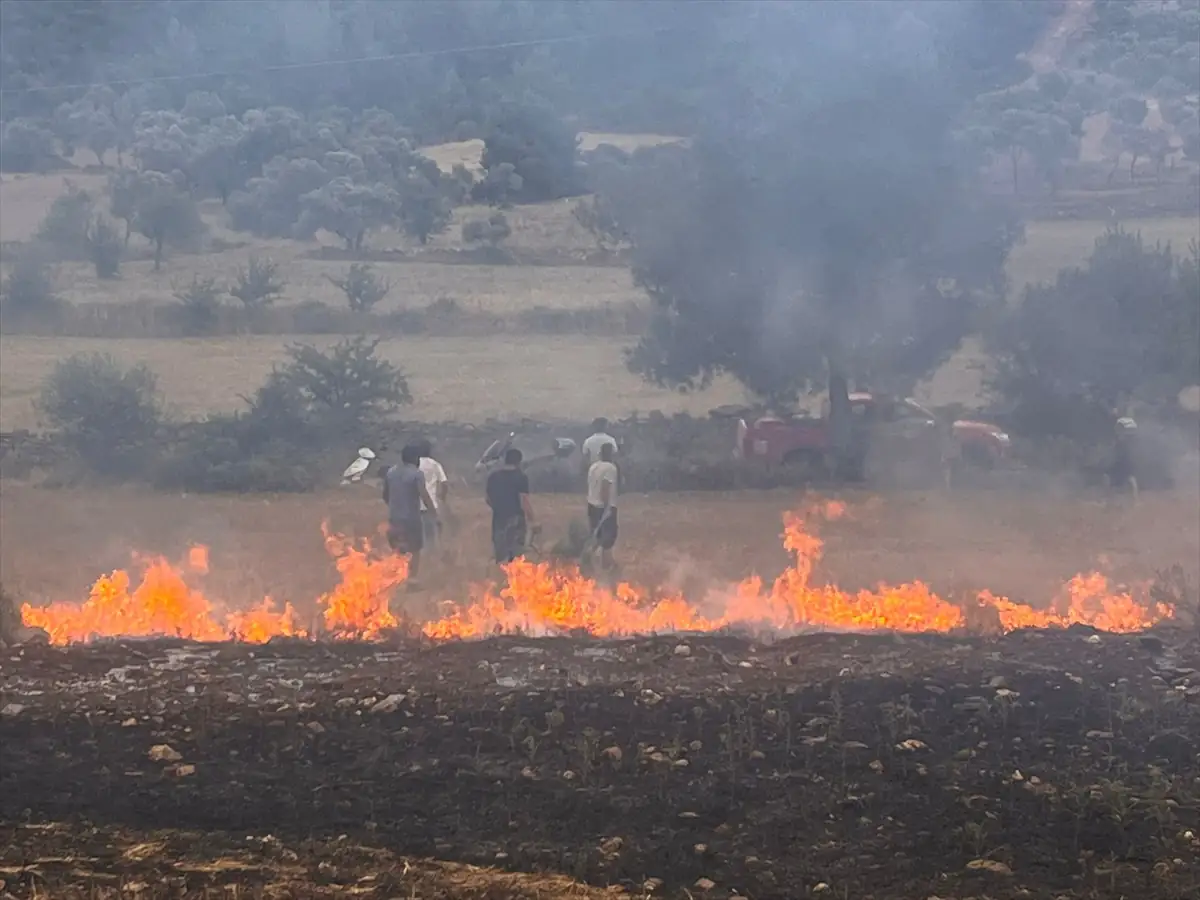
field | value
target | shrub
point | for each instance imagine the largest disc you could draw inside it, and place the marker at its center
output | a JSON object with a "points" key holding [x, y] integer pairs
{"points": [[106, 415], [346, 391], [28, 291], [259, 284], [216, 457], [200, 306], [67, 223], [490, 231], [27, 147], [105, 246], [362, 287]]}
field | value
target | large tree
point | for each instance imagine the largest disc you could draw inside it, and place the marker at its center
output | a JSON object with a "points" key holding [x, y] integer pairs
{"points": [[1122, 328], [827, 225]]}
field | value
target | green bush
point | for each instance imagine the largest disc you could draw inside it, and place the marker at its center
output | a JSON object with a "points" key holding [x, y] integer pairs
{"points": [[105, 247], [28, 292], [108, 416], [213, 462]]}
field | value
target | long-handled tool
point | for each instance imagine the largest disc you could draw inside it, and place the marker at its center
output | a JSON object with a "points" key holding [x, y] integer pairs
{"points": [[592, 544]]}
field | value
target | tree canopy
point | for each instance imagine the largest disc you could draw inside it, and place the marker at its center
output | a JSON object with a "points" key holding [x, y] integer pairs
{"points": [[830, 222]]}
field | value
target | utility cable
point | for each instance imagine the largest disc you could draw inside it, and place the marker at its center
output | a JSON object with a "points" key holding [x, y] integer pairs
{"points": [[328, 63]]}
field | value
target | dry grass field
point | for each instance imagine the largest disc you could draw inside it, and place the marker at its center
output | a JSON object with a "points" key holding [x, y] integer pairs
{"points": [[460, 379], [1025, 546]]}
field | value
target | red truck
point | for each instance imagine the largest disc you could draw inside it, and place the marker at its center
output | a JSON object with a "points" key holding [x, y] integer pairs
{"points": [[904, 427]]}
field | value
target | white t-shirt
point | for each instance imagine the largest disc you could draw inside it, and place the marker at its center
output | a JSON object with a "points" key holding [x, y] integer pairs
{"points": [[598, 474], [434, 476], [591, 447]]}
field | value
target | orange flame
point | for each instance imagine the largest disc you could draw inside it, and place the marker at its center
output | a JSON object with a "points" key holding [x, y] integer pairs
{"points": [[358, 606], [540, 598]]}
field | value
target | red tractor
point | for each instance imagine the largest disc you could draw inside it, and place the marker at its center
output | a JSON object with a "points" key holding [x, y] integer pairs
{"points": [[900, 432]]}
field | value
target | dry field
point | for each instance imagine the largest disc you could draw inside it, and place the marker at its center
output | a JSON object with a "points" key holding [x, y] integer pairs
{"points": [[459, 379], [56, 542]]}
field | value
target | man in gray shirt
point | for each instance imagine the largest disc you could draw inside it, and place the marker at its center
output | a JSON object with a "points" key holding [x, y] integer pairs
{"points": [[404, 491]]}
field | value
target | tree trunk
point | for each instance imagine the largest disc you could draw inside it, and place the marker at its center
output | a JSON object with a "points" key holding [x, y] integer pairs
{"points": [[158, 252], [841, 422], [1132, 163], [128, 231]]}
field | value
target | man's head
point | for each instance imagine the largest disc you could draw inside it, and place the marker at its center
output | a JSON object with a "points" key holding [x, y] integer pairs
{"points": [[606, 451], [599, 424], [512, 457], [410, 455], [424, 446]]}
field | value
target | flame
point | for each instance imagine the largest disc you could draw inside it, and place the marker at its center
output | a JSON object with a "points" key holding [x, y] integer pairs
{"points": [[358, 606], [541, 598]]}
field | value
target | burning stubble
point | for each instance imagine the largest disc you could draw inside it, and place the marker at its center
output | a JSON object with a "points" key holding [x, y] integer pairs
{"points": [[540, 598]]}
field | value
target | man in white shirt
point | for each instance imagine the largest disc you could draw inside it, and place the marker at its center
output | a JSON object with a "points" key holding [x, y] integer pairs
{"points": [[602, 502], [438, 486], [597, 439]]}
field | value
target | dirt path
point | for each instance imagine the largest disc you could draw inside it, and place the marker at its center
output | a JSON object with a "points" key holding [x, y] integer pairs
{"points": [[1046, 55]]}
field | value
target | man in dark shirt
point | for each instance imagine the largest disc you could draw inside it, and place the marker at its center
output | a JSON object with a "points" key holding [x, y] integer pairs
{"points": [[404, 491], [512, 513]]}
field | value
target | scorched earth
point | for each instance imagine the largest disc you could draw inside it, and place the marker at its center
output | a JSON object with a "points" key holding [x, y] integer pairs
{"points": [[940, 749]]}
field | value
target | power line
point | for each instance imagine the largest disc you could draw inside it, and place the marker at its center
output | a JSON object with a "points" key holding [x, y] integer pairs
{"points": [[328, 63]]}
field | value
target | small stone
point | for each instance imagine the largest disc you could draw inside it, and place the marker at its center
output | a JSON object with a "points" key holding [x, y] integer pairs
{"points": [[989, 865], [650, 885], [680, 764], [164, 753], [614, 753], [129, 723], [12, 709], [998, 681], [568, 775], [704, 884], [315, 727], [820, 887], [876, 766], [757, 754], [700, 849], [388, 704], [683, 650], [183, 770]]}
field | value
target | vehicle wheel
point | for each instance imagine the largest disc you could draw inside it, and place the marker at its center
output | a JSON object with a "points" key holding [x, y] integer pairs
{"points": [[810, 462]]}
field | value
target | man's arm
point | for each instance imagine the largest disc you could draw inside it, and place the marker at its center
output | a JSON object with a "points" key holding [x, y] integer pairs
{"points": [[426, 499], [526, 506]]}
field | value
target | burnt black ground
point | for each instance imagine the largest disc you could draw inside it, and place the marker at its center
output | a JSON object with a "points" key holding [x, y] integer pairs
{"points": [[1041, 764]]}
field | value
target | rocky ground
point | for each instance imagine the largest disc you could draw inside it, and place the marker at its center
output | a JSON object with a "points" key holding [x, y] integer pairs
{"points": [[1039, 765]]}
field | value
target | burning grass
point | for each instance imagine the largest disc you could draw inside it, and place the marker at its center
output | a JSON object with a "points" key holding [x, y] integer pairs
{"points": [[541, 598]]}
